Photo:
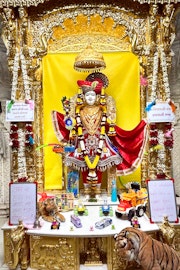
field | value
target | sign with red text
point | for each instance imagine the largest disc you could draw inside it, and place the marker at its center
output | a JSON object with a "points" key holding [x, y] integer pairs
{"points": [[162, 200], [160, 112], [20, 111]]}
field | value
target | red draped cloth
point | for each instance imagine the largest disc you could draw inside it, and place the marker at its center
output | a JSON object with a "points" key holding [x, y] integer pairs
{"points": [[129, 145]]}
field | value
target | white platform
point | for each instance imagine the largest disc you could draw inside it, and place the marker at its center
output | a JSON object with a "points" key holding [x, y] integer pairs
{"points": [[88, 228], [88, 225]]}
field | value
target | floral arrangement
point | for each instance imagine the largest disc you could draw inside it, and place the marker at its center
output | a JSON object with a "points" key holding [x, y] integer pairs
{"points": [[154, 77], [161, 138], [27, 136], [29, 141], [164, 72], [21, 140], [168, 136], [153, 135], [160, 58], [14, 136], [20, 59]]}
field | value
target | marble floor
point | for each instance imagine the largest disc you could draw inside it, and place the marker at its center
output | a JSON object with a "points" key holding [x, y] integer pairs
{"points": [[4, 267]]}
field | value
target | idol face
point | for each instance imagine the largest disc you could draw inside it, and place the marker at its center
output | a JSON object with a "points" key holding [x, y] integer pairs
{"points": [[90, 97]]}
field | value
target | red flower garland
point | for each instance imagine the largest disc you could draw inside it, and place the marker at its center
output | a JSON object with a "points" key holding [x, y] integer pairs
{"points": [[14, 136], [153, 135], [168, 136], [28, 136]]}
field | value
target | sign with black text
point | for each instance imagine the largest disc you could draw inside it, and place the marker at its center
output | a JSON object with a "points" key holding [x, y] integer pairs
{"points": [[23, 202], [20, 111], [162, 200], [160, 112]]}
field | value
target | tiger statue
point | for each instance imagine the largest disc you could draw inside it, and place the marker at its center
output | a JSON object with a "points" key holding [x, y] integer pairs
{"points": [[132, 244], [49, 211]]}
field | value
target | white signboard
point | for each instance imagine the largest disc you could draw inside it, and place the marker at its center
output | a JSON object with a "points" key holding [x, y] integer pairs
{"points": [[160, 112], [23, 202], [20, 111], [162, 201]]}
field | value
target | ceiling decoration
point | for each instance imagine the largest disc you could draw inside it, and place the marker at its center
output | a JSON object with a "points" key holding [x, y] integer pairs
{"points": [[16, 3], [29, 3]]}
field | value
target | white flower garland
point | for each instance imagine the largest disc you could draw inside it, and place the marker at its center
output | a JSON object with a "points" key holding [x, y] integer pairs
{"points": [[15, 76], [19, 58], [161, 167], [20, 62], [164, 72], [154, 77], [25, 77], [21, 155]]}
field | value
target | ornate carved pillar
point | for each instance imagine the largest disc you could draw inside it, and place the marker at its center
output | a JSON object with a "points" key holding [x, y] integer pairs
{"points": [[174, 80], [4, 163]]}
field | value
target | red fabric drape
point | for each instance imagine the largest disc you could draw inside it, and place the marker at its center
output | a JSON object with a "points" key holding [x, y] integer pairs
{"points": [[131, 146], [130, 143]]}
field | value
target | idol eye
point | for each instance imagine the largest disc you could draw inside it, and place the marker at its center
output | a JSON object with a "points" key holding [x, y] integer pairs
{"points": [[123, 233]]}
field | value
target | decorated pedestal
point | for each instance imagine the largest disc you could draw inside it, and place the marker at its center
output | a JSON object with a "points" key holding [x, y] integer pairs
{"points": [[70, 246]]}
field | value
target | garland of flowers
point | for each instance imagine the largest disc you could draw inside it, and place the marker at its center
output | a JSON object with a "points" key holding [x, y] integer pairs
{"points": [[22, 173], [14, 136], [25, 76], [156, 139], [29, 141], [161, 156], [153, 136], [159, 140], [168, 136], [17, 136], [15, 76], [155, 76], [165, 72], [163, 63], [21, 139], [91, 165], [19, 58]]}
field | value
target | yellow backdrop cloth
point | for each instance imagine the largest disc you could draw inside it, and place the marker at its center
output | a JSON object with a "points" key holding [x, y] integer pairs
{"points": [[60, 79]]}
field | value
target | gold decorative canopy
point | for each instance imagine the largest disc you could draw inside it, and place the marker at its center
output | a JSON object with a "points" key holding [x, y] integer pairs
{"points": [[89, 60], [29, 3], [16, 3]]}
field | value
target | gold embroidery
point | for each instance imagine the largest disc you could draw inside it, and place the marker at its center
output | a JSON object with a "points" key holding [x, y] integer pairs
{"points": [[91, 118]]}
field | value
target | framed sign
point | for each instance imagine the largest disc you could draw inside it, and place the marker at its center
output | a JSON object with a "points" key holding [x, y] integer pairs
{"points": [[20, 111], [160, 112], [22, 202], [162, 200]]}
